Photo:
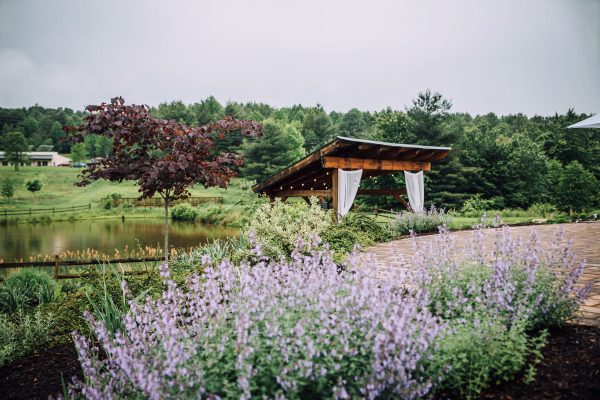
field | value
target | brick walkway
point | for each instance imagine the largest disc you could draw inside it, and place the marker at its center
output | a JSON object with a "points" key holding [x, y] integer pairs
{"points": [[391, 257]]}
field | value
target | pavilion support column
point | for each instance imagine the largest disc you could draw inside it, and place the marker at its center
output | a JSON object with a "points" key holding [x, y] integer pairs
{"points": [[334, 193], [398, 197]]}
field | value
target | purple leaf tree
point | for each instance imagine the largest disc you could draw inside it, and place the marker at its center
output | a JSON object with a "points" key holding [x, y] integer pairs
{"points": [[163, 157]]}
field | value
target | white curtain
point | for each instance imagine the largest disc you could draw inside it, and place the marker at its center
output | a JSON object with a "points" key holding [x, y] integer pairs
{"points": [[415, 189], [348, 182]]}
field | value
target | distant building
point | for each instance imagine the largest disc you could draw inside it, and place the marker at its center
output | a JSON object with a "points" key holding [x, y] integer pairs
{"points": [[41, 159]]}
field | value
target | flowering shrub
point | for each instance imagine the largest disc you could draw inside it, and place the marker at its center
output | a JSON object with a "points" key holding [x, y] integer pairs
{"points": [[277, 226], [458, 319], [293, 329], [426, 221], [492, 303]]}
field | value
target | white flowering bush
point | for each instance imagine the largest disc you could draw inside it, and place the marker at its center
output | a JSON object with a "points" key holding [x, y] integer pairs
{"points": [[277, 226], [407, 222]]}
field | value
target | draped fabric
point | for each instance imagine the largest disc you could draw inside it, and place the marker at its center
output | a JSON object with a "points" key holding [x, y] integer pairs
{"points": [[415, 189], [348, 182]]}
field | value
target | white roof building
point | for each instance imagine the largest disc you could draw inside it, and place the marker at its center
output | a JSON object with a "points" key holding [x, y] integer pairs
{"points": [[41, 159]]}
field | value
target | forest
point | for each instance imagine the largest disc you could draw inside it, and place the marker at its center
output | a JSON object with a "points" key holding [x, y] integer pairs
{"points": [[510, 161]]}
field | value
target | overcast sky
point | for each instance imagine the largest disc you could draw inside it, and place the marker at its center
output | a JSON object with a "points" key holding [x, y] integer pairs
{"points": [[535, 57]]}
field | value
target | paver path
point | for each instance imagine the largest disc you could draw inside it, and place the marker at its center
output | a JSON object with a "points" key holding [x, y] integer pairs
{"points": [[391, 257]]}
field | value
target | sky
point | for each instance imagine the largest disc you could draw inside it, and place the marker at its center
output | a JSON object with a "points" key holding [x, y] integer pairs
{"points": [[510, 56]]}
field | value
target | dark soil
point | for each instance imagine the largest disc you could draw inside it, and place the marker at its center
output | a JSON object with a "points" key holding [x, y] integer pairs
{"points": [[39, 375], [570, 370]]}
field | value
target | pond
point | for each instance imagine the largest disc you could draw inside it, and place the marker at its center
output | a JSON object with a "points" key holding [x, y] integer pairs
{"points": [[22, 241]]}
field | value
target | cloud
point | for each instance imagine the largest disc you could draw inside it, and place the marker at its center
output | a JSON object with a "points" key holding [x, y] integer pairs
{"points": [[24, 80]]}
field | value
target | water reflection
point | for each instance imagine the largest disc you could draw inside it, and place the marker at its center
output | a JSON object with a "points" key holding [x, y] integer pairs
{"points": [[36, 240]]}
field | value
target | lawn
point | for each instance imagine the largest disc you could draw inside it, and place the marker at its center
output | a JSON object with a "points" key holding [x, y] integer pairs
{"points": [[59, 191]]}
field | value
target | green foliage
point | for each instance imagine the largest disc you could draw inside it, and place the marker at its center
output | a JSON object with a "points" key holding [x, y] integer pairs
{"points": [[281, 145], [356, 228], [317, 128], [26, 288], [34, 184], [111, 200], [577, 189], [515, 158], [184, 212], [429, 221], [22, 334], [472, 353], [7, 188], [278, 226], [79, 152], [476, 204], [15, 148], [109, 299]]}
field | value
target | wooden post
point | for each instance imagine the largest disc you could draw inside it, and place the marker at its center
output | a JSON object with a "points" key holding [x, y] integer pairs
{"points": [[334, 192], [56, 266]]}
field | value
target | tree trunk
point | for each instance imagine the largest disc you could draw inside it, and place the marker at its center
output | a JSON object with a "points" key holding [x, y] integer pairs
{"points": [[166, 250]]}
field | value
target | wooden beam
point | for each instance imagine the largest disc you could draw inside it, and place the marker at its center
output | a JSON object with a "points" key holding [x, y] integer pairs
{"points": [[401, 200], [380, 192], [298, 165], [385, 165], [302, 193]]}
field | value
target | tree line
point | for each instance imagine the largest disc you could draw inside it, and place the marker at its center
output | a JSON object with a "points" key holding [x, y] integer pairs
{"points": [[508, 161]]}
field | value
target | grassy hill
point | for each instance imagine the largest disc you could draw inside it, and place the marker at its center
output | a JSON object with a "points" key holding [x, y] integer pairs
{"points": [[59, 191]]}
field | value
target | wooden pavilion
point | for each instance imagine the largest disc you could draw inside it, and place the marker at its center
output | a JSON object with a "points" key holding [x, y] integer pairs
{"points": [[317, 173]]}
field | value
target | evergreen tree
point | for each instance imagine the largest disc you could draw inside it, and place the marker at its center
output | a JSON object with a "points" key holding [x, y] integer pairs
{"points": [[79, 152], [355, 124], [7, 189], [317, 128], [15, 148], [577, 188], [207, 111], [281, 145]]}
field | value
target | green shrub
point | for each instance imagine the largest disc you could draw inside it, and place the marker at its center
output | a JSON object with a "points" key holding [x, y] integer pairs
{"points": [[559, 218], [26, 288], [475, 205], [541, 209], [109, 299], [474, 352], [428, 221], [211, 214], [277, 226], [23, 333], [184, 212], [356, 228]]}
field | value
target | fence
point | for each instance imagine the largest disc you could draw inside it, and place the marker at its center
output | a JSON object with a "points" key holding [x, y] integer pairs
{"points": [[159, 201], [6, 213], [57, 264]]}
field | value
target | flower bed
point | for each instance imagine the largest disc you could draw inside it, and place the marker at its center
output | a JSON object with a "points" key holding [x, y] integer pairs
{"points": [[307, 328]]}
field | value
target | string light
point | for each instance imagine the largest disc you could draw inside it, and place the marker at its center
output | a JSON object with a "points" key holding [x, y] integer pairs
{"points": [[303, 184], [291, 187]]}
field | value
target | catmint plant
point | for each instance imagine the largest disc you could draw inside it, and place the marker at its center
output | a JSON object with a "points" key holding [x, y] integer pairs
{"points": [[294, 328]]}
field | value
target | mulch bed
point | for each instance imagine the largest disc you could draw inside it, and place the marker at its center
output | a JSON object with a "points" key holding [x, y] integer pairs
{"points": [[39, 375], [570, 370]]}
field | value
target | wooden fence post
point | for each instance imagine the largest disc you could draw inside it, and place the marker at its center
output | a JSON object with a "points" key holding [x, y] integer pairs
{"points": [[56, 266]]}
